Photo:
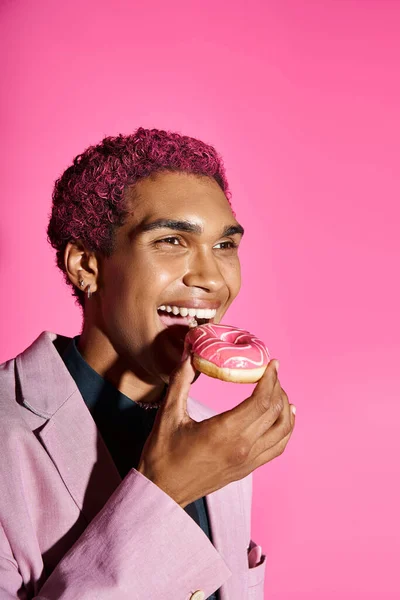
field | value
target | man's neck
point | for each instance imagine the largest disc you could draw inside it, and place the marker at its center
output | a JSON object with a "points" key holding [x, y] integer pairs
{"points": [[102, 357]]}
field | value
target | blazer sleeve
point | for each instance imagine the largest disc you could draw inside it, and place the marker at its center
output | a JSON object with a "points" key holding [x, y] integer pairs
{"points": [[141, 545]]}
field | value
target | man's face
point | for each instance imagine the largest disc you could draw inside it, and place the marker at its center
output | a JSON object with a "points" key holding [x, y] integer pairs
{"points": [[176, 250]]}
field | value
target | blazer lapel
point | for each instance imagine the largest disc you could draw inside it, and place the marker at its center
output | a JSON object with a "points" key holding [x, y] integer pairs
{"points": [[69, 434], [74, 444]]}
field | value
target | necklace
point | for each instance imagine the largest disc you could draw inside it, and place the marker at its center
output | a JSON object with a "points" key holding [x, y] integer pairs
{"points": [[153, 405]]}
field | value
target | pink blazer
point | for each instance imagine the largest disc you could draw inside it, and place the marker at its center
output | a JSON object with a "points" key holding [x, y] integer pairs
{"points": [[71, 529]]}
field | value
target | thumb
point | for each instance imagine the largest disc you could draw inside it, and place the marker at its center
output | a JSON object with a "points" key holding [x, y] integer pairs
{"points": [[178, 389]]}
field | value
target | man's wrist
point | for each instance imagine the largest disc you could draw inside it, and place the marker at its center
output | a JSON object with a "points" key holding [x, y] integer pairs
{"points": [[178, 498]]}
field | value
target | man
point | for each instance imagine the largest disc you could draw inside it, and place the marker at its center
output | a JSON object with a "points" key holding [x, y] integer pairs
{"points": [[115, 484]]}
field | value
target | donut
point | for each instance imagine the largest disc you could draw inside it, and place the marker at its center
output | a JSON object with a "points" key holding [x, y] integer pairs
{"points": [[227, 353]]}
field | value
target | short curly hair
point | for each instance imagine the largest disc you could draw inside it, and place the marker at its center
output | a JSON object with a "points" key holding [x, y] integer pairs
{"points": [[89, 197]]}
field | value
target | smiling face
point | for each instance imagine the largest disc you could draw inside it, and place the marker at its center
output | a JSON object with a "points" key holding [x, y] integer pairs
{"points": [[175, 254]]}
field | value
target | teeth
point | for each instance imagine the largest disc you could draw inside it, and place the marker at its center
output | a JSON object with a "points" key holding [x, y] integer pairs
{"points": [[199, 313]]}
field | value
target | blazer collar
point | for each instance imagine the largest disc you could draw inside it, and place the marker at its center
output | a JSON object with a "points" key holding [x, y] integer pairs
{"points": [[45, 383]]}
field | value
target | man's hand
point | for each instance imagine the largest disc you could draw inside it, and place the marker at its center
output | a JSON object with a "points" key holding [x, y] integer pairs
{"points": [[188, 460]]}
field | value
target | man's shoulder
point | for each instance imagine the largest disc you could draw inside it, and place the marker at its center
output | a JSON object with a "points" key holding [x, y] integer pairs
{"points": [[22, 374], [15, 429]]}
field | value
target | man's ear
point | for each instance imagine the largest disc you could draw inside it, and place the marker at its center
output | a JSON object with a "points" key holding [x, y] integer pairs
{"points": [[81, 266]]}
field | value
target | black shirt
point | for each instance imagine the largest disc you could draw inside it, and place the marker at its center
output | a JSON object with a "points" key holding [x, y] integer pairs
{"points": [[123, 424]]}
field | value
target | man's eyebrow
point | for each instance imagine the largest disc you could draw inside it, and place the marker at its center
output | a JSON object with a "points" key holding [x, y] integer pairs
{"points": [[187, 227], [232, 230]]}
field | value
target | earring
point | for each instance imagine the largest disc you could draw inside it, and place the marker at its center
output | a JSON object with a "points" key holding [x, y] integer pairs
{"points": [[81, 282], [89, 293]]}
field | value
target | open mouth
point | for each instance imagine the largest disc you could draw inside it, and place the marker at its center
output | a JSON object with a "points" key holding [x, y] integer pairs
{"points": [[181, 315]]}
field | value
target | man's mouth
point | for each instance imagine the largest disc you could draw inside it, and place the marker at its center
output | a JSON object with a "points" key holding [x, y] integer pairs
{"points": [[185, 316]]}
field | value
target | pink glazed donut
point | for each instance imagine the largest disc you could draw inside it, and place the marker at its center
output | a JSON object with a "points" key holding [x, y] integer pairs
{"points": [[227, 353]]}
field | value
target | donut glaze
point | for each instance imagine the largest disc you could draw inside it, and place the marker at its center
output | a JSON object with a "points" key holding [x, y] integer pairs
{"points": [[227, 347]]}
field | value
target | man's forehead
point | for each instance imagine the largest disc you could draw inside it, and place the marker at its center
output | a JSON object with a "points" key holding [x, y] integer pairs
{"points": [[202, 205], [173, 187]]}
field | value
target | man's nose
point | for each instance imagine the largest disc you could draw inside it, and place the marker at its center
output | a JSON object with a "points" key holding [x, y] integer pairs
{"points": [[203, 272]]}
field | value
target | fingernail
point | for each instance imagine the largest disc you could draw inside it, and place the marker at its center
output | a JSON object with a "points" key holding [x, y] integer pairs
{"points": [[292, 406], [277, 365]]}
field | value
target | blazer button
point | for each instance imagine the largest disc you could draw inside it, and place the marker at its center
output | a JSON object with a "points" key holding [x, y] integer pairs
{"points": [[199, 595]]}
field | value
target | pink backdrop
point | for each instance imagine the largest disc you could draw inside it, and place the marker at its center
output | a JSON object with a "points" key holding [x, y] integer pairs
{"points": [[302, 99]]}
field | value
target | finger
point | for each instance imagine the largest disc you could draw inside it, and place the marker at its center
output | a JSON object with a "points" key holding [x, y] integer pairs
{"points": [[263, 402], [268, 437], [274, 451], [268, 380], [178, 388]]}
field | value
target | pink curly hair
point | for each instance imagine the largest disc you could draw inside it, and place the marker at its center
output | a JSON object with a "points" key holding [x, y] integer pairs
{"points": [[89, 197]]}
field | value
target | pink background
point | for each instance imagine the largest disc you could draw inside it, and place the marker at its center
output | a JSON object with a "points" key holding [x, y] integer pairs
{"points": [[302, 99]]}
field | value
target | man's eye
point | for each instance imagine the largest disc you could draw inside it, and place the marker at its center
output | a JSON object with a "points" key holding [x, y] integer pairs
{"points": [[226, 245], [173, 241]]}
